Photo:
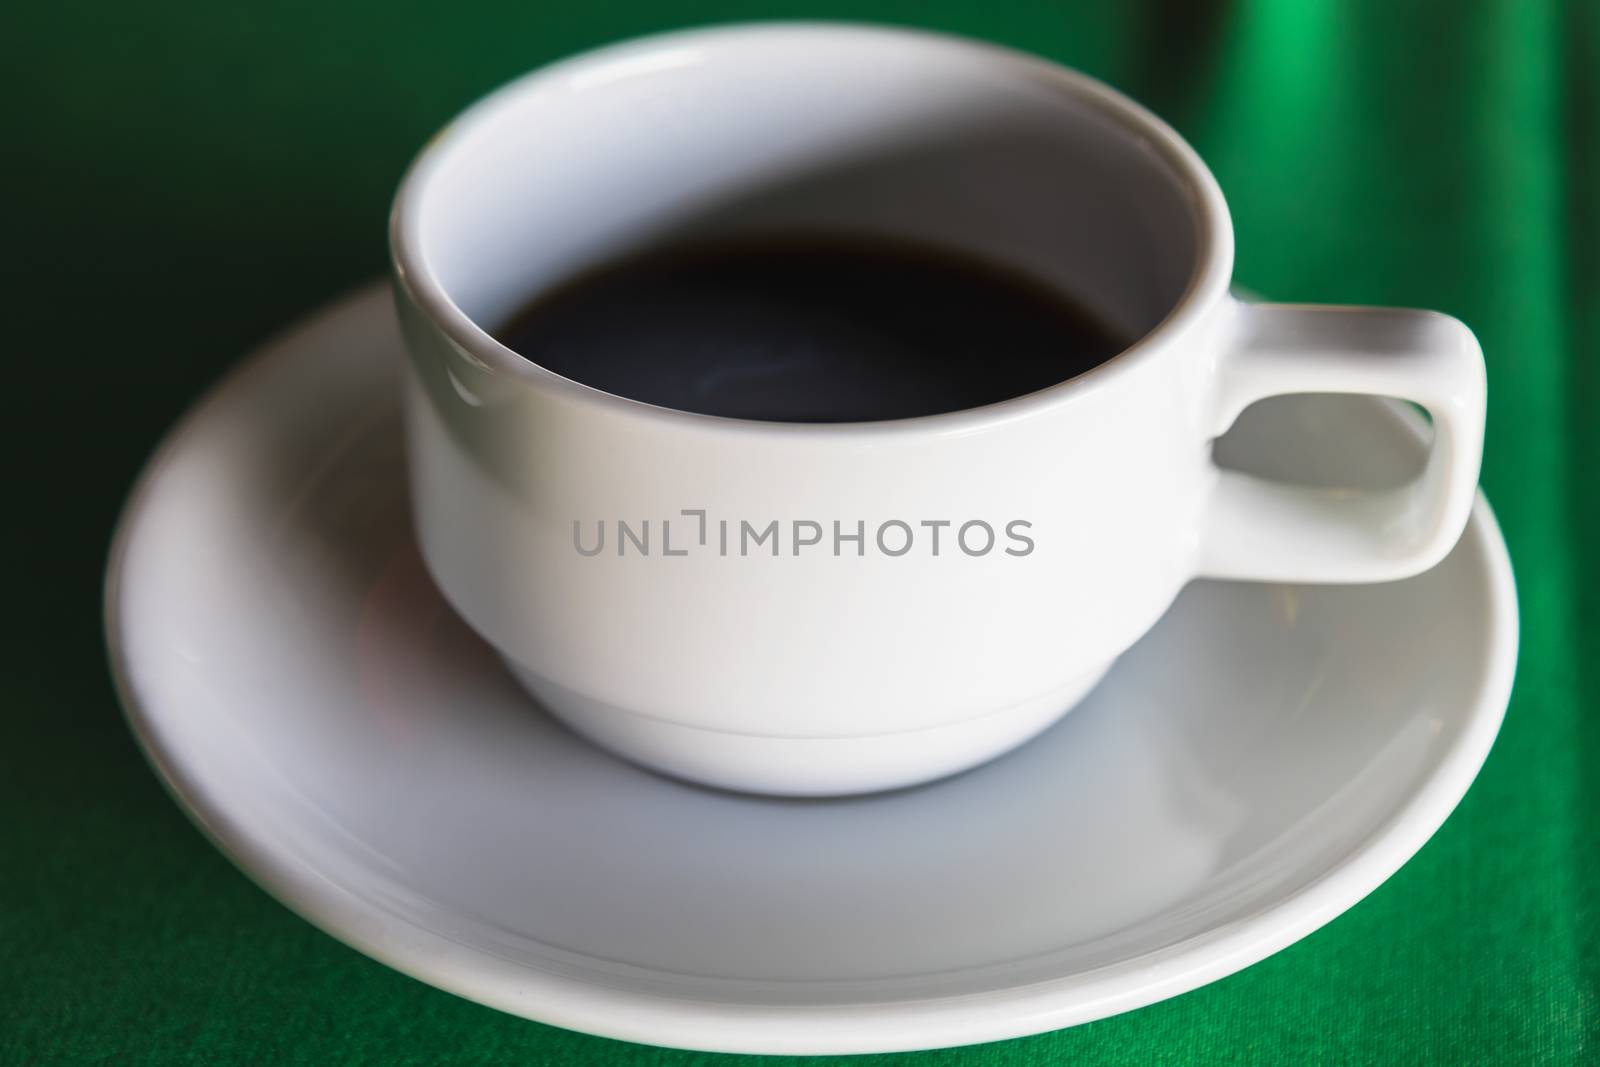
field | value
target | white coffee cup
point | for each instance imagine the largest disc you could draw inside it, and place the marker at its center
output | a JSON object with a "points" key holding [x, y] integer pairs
{"points": [[839, 665]]}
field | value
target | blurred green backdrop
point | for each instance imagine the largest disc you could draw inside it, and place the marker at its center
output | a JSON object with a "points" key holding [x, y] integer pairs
{"points": [[179, 180]]}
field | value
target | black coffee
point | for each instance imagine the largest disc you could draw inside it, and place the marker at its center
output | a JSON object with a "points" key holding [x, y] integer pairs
{"points": [[809, 329]]}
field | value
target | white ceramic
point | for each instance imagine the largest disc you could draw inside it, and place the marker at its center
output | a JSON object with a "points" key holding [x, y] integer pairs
{"points": [[1265, 757], [821, 670]]}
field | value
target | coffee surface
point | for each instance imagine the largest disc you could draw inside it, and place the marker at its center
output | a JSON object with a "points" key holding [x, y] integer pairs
{"points": [[809, 329]]}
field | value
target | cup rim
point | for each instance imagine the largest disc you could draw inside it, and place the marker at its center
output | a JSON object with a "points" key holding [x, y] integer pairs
{"points": [[1208, 281]]}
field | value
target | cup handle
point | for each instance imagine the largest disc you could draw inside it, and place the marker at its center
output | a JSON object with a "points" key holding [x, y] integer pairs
{"points": [[1265, 530]]}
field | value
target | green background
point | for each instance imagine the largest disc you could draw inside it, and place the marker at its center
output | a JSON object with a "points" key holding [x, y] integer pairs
{"points": [[180, 179]]}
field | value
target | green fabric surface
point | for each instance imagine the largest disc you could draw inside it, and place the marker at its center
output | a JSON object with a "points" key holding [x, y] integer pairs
{"points": [[178, 180]]}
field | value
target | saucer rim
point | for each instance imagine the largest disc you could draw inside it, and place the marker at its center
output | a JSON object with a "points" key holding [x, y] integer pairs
{"points": [[720, 1026]]}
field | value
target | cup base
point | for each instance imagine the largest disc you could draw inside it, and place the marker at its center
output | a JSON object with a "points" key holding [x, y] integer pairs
{"points": [[804, 766]]}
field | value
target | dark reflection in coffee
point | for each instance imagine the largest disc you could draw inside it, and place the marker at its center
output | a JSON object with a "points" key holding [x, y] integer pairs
{"points": [[809, 329]]}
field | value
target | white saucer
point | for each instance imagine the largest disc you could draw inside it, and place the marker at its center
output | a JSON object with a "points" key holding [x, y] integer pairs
{"points": [[1262, 760]]}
